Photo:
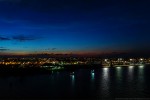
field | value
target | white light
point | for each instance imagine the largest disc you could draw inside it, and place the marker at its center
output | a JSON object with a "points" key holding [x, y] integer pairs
{"points": [[130, 72], [72, 79], [72, 76], [141, 59], [105, 79], [105, 72], [118, 73], [118, 67], [105, 69], [131, 66], [141, 66], [93, 75]]}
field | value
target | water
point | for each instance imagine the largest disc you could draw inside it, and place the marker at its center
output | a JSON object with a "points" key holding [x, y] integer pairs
{"points": [[103, 83]]}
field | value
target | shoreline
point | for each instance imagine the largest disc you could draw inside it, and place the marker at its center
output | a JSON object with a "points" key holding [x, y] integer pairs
{"points": [[5, 70]]}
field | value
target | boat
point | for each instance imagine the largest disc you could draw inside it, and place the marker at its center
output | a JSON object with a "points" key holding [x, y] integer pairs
{"points": [[92, 71], [72, 73]]}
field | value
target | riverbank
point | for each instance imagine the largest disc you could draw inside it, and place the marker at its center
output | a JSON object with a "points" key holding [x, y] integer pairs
{"points": [[15, 70]]}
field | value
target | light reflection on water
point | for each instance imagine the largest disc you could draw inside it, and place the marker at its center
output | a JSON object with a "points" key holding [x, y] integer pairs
{"points": [[119, 79], [92, 79], [119, 74], [72, 83], [141, 66], [72, 79], [130, 73], [140, 70], [141, 77], [105, 80], [105, 73], [92, 75]]}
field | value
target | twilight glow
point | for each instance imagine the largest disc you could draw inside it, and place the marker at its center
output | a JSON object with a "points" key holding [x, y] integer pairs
{"points": [[73, 26]]}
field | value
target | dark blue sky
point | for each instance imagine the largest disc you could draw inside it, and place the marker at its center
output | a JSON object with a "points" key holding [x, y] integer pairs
{"points": [[77, 26]]}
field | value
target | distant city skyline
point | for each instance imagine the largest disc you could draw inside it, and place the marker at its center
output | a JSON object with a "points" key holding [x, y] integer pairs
{"points": [[74, 27]]}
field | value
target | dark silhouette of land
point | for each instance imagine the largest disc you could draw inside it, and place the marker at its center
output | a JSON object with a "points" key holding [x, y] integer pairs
{"points": [[7, 70]]}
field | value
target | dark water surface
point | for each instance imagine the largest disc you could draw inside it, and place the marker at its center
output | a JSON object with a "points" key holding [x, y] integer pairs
{"points": [[102, 83]]}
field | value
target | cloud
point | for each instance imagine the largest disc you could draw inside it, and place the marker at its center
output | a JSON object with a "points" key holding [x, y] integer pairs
{"points": [[23, 38], [3, 38], [3, 49], [50, 49], [20, 38], [54, 48]]}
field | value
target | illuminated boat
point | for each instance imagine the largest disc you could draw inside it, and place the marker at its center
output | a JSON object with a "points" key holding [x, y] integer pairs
{"points": [[72, 73]]}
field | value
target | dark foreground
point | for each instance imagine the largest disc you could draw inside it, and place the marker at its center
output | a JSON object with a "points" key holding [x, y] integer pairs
{"points": [[102, 83], [17, 70]]}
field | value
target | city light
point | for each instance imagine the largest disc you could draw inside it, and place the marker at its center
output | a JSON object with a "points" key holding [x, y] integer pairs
{"points": [[106, 60], [141, 59], [60, 64]]}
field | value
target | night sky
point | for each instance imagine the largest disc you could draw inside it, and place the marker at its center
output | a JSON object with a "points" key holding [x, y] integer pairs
{"points": [[74, 26]]}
